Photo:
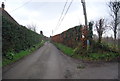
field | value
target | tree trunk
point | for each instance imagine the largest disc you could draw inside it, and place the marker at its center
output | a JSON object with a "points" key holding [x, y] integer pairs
{"points": [[115, 31], [99, 39], [115, 28], [114, 34]]}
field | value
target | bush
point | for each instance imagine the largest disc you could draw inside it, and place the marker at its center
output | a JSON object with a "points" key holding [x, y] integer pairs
{"points": [[10, 55], [16, 37], [103, 56], [80, 51], [102, 47], [98, 51]]}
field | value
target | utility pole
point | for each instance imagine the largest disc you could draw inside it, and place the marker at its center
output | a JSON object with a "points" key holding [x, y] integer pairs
{"points": [[52, 32], [85, 41], [84, 10]]}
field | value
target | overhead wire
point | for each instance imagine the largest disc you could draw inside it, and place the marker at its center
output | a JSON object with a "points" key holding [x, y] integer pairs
{"points": [[21, 5], [66, 12], [60, 22], [62, 13]]}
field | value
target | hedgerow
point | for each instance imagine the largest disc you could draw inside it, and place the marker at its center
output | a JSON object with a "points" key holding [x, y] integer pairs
{"points": [[16, 37]]}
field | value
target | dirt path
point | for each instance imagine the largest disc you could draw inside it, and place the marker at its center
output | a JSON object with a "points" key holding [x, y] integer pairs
{"points": [[49, 63]]}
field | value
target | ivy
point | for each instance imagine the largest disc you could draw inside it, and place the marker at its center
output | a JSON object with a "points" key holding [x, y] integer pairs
{"points": [[16, 37]]}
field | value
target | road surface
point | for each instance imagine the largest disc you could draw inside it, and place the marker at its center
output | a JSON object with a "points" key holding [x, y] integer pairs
{"points": [[50, 63]]}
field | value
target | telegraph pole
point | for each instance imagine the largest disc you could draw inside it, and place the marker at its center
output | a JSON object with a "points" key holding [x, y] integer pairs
{"points": [[85, 40], [84, 10], [52, 32]]}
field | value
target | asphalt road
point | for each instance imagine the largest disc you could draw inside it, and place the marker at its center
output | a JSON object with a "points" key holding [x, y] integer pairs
{"points": [[50, 63]]}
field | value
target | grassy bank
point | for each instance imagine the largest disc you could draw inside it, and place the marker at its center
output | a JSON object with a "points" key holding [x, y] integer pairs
{"points": [[18, 56], [17, 38], [98, 57], [67, 50], [106, 56]]}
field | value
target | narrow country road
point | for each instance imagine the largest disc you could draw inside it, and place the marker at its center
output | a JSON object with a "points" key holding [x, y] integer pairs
{"points": [[50, 63]]}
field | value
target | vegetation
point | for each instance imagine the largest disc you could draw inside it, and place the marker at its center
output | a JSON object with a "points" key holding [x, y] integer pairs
{"points": [[17, 41], [67, 50], [101, 28], [70, 37], [115, 8], [98, 51], [90, 35], [17, 38], [21, 54], [32, 27], [98, 56], [104, 53], [95, 50]]}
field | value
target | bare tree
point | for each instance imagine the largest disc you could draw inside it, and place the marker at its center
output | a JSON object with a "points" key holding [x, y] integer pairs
{"points": [[101, 28], [114, 7], [32, 27]]}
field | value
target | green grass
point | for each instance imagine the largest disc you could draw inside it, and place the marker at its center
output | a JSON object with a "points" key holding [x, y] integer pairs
{"points": [[16, 57], [67, 50], [106, 56], [103, 56], [20, 55], [98, 56]]}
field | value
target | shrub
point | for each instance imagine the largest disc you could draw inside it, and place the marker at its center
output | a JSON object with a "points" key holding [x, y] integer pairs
{"points": [[16, 37], [10, 55], [102, 47], [80, 51]]}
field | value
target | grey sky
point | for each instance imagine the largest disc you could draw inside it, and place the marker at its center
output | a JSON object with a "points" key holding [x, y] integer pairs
{"points": [[45, 13]]}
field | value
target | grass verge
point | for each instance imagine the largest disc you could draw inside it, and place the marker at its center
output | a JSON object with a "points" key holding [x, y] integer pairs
{"points": [[67, 50], [98, 56], [18, 56], [106, 56]]}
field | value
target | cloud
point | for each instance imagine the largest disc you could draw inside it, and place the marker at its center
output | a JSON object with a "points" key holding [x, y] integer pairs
{"points": [[45, 13]]}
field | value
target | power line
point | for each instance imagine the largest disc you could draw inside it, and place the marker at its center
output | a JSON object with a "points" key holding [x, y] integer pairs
{"points": [[21, 6], [65, 14], [62, 13]]}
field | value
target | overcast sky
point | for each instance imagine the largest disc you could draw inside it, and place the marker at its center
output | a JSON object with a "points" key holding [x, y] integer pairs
{"points": [[46, 13]]}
